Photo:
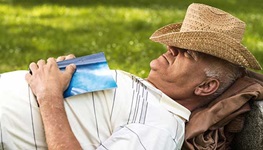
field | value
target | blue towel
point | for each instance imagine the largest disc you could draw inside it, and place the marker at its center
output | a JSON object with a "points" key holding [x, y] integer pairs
{"points": [[92, 74]]}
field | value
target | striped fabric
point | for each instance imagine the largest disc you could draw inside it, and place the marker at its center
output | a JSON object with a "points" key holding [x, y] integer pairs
{"points": [[134, 116]]}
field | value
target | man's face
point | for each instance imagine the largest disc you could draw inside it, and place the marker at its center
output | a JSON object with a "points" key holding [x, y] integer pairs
{"points": [[177, 72]]}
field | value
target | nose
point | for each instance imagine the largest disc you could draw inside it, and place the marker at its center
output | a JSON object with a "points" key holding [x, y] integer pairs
{"points": [[173, 50]]}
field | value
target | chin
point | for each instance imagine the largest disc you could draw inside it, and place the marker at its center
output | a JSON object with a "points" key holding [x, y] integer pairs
{"points": [[151, 79], [150, 75], [153, 76]]}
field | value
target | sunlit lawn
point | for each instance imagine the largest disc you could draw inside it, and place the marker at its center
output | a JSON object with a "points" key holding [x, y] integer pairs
{"points": [[30, 30]]}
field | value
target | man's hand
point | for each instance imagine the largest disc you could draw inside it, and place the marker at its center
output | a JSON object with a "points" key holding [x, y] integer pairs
{"points": [[48, 84], [47, 80]]}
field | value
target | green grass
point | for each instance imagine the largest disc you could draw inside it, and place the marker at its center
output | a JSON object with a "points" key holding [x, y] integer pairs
{"points": [[30, 30]]}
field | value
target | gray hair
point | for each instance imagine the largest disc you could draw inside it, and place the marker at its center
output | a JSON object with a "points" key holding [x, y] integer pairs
{"points": [[226, 72]]}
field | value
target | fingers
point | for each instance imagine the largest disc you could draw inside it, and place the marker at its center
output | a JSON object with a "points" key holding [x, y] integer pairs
{"points": [[51, 60], [33, 67], [51, 63], [41, 63], [61, 58], [70, 69], [70, 56], [28, 78]]}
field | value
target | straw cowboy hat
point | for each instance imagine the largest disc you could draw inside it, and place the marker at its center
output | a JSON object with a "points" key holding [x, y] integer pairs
{"points": [[209, 30]]}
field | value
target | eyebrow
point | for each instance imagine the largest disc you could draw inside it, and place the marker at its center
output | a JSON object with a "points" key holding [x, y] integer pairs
{"points": [[192, 53]]}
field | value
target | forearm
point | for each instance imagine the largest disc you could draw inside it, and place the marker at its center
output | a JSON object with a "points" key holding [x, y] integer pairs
{"points": [[48, 83], [57, 129]]}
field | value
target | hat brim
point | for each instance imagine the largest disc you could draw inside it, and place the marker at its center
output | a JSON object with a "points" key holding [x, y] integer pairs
{"points": [[212, 43]]}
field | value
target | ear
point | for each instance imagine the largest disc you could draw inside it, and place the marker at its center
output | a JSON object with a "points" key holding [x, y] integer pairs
{"points": [[207, 87]]}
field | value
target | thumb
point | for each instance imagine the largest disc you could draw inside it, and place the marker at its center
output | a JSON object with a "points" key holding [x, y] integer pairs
{"points": [[70, 69]]}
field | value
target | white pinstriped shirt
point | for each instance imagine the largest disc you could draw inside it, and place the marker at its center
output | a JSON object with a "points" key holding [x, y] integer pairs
{"points": [[134, 116]]}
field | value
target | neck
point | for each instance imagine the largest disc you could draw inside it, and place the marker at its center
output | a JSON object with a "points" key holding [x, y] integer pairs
{"points": [[189, 100], [192, 103]]}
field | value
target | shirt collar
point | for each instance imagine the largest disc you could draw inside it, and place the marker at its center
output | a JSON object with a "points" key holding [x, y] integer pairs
{"points": [[170, 104], [175, 107]]}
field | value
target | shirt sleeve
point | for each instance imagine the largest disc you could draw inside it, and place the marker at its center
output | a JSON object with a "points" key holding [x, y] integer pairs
{"points": [[141, 137]]}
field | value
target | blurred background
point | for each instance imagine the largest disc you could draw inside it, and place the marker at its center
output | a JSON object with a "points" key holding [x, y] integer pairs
{"points": [[34, 29]]}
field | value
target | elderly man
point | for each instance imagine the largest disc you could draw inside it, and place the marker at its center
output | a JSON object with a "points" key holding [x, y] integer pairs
{"points": [[204, 57]]}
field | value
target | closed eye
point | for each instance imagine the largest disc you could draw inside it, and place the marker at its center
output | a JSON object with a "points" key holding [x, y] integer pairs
{"points": [[187, 54], [190, 54]]}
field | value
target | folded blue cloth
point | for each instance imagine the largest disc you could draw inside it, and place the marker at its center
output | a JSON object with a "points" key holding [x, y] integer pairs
{"points": [[92, 74]]}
